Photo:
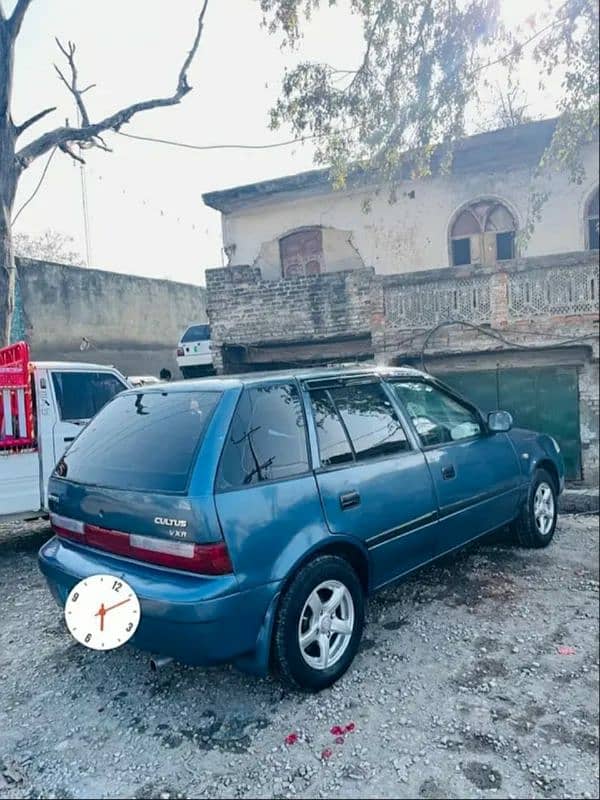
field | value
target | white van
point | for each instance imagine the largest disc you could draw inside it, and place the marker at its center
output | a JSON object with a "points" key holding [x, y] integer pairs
{"points": [[43, 407], [194, 356]]}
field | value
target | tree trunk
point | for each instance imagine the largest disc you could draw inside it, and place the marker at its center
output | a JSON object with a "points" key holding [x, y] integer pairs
{"points": [[8, 184], [7, 268]]}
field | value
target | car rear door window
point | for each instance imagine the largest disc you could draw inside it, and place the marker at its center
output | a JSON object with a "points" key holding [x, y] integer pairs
{"points": [[438, 418], [334, 446], [144, 441], [370, 419], [267, 439], [80, 395]]}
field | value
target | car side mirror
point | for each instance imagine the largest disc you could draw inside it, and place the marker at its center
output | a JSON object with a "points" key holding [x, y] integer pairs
{"points": [[499, 421]]}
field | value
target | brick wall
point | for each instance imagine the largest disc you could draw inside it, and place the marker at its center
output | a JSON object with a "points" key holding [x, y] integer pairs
{"points": [[246, 310]]}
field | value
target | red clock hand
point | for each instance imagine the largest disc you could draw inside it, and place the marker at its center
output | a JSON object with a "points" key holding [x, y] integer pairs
{"points": [[116, 605], [100, 613]]}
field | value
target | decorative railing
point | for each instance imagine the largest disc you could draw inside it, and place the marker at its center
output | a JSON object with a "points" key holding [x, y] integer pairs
{"points": [[563, 290], [423, 304]]}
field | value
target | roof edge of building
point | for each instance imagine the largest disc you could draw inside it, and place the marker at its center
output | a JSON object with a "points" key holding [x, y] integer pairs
{"points": [[518, 143]]}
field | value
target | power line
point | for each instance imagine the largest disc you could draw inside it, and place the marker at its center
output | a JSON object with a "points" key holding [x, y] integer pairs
{"points": [[35, 191], [188, 146]]}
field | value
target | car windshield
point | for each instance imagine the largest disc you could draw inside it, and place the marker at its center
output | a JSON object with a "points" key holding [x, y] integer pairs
{"points": [[145, 441], [197, 333]]}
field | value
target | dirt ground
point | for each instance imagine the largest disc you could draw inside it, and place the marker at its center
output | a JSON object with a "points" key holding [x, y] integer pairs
{"points": [[460, 690]]}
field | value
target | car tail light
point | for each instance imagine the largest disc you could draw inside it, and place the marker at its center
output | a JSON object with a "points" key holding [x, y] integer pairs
{"points": [[180, 351], [205, 559]]}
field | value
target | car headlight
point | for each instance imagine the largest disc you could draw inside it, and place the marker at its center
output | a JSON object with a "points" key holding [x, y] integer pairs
{"points": [[556, 444]]}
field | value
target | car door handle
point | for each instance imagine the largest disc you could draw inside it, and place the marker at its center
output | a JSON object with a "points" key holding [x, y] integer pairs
{"points": [[349, 500], [448, 473], [69, 439]]}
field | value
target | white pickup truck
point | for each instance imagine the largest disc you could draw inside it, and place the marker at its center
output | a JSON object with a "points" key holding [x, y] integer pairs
{"points": [[43, 406]]}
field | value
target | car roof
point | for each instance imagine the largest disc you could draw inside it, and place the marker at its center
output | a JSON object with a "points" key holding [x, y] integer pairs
{"points": [[79, 365], [225, 382]]}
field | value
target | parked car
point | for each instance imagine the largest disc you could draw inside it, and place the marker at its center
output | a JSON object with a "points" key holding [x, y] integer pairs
{"points": [[142, 380], [194, 357], [43, 406], [254, 515]]}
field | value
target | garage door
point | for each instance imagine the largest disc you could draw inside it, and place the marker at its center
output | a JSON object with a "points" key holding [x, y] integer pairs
{"points": [[541, 398]]}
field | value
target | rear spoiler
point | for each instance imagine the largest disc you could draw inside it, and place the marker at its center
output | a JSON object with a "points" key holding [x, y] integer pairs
{"points": [[17, 429]]}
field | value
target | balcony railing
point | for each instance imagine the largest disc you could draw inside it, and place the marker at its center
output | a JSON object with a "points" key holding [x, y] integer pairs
{"points": [[427, 303], [551, 286], [555, 292]]}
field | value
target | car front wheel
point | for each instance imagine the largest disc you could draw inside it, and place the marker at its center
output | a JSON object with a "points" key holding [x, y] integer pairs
{"points": [[319, 624], [536, 523]]}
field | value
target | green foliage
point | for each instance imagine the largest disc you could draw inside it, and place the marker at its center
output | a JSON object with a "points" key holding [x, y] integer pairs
{"points": [[423, 64]]}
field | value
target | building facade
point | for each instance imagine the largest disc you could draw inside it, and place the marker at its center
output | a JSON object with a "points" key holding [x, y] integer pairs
{"points": [[441, 277]]}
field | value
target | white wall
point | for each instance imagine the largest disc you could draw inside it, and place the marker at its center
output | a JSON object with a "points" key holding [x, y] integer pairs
{"points": [[410, 234]]}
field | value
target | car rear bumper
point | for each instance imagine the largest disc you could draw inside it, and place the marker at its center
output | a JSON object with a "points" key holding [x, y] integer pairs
{"points": [[195, 360], [195, 619]]}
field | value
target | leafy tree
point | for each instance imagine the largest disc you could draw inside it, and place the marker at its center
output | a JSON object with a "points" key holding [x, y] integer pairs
{"points": [[47, 246], [15, 159], [423, 63]]}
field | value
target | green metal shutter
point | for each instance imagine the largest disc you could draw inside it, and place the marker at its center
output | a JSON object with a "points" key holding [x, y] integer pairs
{"points": [[544, 399]]}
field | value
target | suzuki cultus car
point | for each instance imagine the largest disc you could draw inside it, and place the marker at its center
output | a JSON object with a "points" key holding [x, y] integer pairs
{"points": [[254, 515]]}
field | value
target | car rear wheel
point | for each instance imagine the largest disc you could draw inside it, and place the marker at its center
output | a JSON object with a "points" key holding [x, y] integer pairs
{"points": [[536, 523], [319, 624]]}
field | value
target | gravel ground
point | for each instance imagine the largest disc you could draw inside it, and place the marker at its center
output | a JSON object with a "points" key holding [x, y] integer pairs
{"points": [[459, 691]]}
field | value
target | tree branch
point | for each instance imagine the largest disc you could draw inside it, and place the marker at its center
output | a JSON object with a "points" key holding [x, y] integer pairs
{"points": [[32, 120], [89, 132], [18, 15], [69, 54]]}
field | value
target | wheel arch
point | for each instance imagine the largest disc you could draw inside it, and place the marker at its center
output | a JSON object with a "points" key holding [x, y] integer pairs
{"points": [[549, 466]]}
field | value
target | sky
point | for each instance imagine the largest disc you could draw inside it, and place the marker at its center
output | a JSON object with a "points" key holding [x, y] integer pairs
{"points": [[144, 200]]}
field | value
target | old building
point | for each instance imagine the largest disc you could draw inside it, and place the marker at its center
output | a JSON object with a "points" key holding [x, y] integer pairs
{"points": [[441, 277]]}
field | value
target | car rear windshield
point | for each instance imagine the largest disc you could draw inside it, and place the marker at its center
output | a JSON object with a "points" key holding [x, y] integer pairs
{"points": [[197, 333], [145, 442]]}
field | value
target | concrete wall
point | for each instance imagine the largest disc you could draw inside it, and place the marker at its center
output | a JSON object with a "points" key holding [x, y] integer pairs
{"points": [[412, 233], [131, 322]]}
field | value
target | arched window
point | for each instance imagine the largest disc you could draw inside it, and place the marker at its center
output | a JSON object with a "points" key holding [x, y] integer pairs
{"points": [[591, 223], [302, 253], [483, 233]]}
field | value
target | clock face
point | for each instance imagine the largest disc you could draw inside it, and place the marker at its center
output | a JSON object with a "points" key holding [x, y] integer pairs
{"points": [[102, 612]]}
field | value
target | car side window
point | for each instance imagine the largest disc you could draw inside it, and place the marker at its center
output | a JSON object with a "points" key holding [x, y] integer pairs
{"points": [[369, 419], [334, 447], [80, 395], [438, 418], [267, 438]]}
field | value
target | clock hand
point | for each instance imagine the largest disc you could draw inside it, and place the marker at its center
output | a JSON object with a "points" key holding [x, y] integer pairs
{"points": [[116, 605], [101, 612]]}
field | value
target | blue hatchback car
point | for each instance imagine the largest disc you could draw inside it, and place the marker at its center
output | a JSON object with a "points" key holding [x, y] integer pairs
{"points": [[254, 515]]}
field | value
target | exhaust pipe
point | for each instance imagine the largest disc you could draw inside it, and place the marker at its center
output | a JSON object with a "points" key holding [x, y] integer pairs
{"points": [[158, 662]]}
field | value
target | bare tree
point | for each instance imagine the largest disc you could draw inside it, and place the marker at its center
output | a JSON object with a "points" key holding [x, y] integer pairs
{"points": [[48, 245], [14, 160]]}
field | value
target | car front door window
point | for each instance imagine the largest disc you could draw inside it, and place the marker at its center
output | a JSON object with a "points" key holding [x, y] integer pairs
{"points": [[438, 418]]}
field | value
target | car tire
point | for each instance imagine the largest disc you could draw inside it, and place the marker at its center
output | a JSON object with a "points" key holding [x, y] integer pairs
{"points": [[536, 523], [325, 605]]}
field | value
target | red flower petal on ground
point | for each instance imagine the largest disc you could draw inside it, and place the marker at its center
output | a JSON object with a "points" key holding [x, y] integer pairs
{"points": [[565, 650], [337, 730], [327, 753], [350, 727], [291, 738]]}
